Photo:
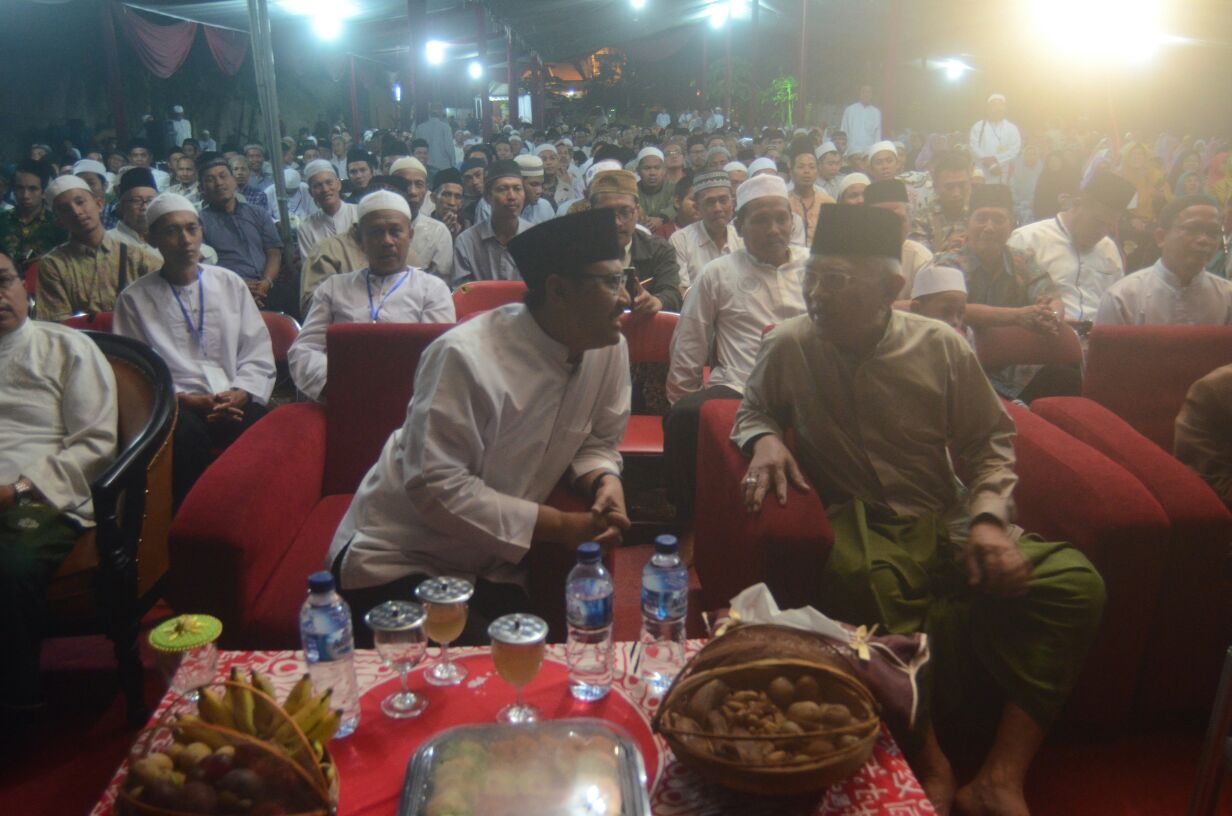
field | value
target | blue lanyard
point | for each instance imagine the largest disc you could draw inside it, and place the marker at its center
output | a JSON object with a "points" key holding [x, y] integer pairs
{"points": [[374, 311], [197, 331]]}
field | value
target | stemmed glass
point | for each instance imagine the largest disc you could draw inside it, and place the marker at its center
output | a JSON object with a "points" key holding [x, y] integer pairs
{"points": [[397, 630], [445, 603], [517, 652]]}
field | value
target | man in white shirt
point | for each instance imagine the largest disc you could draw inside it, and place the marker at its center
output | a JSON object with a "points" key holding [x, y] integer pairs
{"points": [[995, 142], [892, 195], [431, 242], [829, 162], [299, 199], [663, 119], [862, 121], [58, 425], [537, 209], [186, 179], [1177, 290], [727, 309], [482, 252], [139, 155], [178, 126], [204, 323], [714, 235], [333, 216], [505, 405], [136, 192], [388, 291], [1074, 247]]}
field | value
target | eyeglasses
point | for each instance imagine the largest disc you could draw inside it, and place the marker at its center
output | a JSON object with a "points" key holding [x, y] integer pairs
{"points": [[834, 281], [625, 213], [614, 283], [1209, 230]]}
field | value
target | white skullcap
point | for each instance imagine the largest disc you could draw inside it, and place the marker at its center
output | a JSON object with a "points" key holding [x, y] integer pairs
{"points": [[799, 132], [826, 147], [168, 203], [850, 179], [599, 167], [883, 145], [996, 98], [531, 166], [766, 186], [319, 166], [471, 142], [734, 166], [408, 163], [383, 200], [90, 166], [290, 178], [545, 147], [934, 278], [763, 164], [650, 151], [567, 142], [62, 184]]}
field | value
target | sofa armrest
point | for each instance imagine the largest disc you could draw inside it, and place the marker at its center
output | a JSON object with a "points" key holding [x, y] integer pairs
{"points": [[243, 514], [734, 548]]}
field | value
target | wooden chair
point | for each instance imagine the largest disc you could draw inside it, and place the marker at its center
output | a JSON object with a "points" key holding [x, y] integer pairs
{"points": [[113, 575], [99, 321]]}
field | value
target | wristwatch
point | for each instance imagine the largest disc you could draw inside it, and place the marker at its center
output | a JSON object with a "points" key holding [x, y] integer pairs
{"points": [[23, 489]]}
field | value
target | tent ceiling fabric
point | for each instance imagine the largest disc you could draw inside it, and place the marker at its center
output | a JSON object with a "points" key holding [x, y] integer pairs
{"points": [[557, 29]]}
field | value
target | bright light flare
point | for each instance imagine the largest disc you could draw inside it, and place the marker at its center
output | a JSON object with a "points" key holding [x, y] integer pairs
{"points": [[1101, 31], [326, 16], [434, 50], [475, 69], [638, 5], [954, 69], [327, 28], [719, 13]]}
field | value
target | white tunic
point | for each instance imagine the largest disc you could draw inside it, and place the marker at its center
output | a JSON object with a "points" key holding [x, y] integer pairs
{"points": [[235, 338], [321, 225], [695, 248], [122, 232], [499, 416], [998, 140], [728, 307], [432, 246], [1156, 296], [1080, 277], [58, 414], [862, 124], [916, 256], [299, 203], [411, 296]]}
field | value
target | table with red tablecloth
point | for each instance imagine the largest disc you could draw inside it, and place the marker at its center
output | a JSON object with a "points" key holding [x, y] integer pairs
{"points": [[372, 762]]}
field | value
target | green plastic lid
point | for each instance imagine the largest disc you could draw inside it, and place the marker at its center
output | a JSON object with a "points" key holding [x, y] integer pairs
{"points": [[185, 632]]}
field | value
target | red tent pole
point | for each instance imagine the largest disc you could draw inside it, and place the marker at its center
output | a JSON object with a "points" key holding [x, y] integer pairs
{"points": [[355, 132], [115, 88]]}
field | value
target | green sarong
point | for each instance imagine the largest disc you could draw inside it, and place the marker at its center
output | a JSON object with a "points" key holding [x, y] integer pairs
{"points": [[907, 575]]}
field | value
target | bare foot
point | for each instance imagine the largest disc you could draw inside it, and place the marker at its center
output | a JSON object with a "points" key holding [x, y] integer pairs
{"points": [[988, 797]]}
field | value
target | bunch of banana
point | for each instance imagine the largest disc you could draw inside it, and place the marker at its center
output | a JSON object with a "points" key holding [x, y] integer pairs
{"points": [[240, 710]]}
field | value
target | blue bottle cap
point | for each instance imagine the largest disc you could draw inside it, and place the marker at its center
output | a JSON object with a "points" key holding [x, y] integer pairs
{"points": [[589, 552], [322, 581], [665, 544]]}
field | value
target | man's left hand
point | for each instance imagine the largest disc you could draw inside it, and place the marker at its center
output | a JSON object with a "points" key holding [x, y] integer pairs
{"points": [[609, 508], [229, 406], [260, 290], [645, 303], [993, 562]]}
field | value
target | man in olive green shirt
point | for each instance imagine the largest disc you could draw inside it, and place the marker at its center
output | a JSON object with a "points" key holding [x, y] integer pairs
{"points": [[655, 197], [877, 399], [1203, 437], [86, 273]]}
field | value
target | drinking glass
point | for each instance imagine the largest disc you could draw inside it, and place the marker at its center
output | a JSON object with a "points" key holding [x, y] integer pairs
{"points": [[185, 651], [517, 652], [445, 605], [397, 631]]}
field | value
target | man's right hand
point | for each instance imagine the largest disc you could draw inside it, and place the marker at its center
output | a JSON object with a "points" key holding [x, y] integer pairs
{"points": [[772, 467], [197, 403], [1038, 317]]}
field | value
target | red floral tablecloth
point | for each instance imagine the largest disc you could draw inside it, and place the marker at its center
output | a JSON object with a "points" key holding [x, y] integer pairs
{"points": [[372, 762]]}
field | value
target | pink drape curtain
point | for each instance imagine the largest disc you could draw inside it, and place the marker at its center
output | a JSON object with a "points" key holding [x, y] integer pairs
{"points": [[163, 48]]}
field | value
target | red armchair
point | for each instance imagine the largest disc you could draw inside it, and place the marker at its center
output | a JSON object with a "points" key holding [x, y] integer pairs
{"points": [[263, 515], [1067, 491], [1000, 346], [650, 341], [99, 321], [470, 299]]}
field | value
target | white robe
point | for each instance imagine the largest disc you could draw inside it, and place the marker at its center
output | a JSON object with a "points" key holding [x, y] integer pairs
{"points": [[727, 309], [122, 232], [1155, 296], [432, 246], [320, 225], [695, 248], [998, 140], [58, 416], [300, 205], [862, 124], [236, 340], [916, 256], [417, 298], [1081, 277], [499, 416]]}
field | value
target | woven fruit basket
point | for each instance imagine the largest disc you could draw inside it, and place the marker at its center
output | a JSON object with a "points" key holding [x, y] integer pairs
{"points": [[241, 753], [772, 726]]}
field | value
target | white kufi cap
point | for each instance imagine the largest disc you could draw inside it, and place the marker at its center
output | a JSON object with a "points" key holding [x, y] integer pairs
{"points": [[850, 179], [826, 147], [62, 184], [383, 200], [882, 146], [934, 278], [319, 166], [408, 163], [168, 203], [90, 166], [763, 164], [765, 186], [650, 151]]}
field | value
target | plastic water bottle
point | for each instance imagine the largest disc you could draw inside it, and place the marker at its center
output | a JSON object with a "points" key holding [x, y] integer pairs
{"points": [[329, 648], [588, 607], [665, 600]]}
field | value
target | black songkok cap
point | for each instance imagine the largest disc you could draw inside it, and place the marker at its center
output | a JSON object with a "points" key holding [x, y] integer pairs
{"points": [[1110, 190], [868, 232], [989, 195], [356, 154], [447, 176], [882, 192], [564, 245], [137, 177], [502, 168]]}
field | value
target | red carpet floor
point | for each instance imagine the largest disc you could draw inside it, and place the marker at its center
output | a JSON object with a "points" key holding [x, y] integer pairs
{"points": [[59, 767]]}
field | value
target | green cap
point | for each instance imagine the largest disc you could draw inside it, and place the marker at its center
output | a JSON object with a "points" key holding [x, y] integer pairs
{"points": [[185, 632]]}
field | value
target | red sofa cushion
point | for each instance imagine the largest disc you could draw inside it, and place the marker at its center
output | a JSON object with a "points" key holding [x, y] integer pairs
{"points": [[1142, 373], [477, 297], [643, 436], [361, 417], [1195, 606], [999, 346]]}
